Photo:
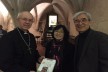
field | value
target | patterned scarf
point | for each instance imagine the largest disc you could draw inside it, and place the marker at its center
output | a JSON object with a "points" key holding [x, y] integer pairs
{"points": [[57, 53]]}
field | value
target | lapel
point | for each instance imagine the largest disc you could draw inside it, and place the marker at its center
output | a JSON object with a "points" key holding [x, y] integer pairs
{"points": [[86, 44]]}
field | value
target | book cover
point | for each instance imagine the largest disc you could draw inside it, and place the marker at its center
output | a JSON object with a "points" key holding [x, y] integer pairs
{"points": [[47, 65]]}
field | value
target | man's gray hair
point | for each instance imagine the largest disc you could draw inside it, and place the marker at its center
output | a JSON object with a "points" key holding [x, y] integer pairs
{"points": [[21, 13], [82, 12]]}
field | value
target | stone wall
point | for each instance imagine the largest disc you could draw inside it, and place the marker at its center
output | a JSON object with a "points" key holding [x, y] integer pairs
{"points": [[99, 11]]}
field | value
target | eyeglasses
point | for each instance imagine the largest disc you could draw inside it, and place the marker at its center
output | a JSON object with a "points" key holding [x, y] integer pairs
{"points": [[82, 20], [25, 19]]}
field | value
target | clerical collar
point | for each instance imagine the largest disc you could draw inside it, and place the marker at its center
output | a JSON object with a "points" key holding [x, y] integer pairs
{"points": [[22, 32], [25, 33]]}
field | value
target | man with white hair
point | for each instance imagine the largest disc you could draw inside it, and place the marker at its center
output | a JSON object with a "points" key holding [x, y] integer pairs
{"points": [[91, 52], [18, 48]]}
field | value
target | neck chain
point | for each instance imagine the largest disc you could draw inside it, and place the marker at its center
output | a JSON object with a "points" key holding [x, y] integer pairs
{"points": [[28, 45]]}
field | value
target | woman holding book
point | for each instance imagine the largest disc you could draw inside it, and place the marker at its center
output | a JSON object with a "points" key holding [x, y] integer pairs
{"points": [[60, 49]]}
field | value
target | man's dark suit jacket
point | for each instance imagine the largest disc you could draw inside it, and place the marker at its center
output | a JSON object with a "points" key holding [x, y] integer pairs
{"points": [[94, 56]]}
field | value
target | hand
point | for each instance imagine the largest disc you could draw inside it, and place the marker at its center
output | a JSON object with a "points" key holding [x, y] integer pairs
{"points": [[41, 58], [44, 69]]}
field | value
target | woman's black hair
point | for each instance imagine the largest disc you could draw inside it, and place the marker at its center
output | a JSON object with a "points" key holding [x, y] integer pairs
{"points": [[66, 33]]}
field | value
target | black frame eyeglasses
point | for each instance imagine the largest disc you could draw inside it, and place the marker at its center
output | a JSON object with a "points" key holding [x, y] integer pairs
{"points": [[82, 20]]}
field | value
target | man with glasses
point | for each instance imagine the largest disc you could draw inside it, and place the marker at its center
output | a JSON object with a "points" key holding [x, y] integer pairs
{"points": [[18, 48], [91, 52]]}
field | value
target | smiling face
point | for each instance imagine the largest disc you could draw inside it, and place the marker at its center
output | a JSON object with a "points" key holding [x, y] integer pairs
{"points": [[25, 20], [59, 34], [82, 23]]}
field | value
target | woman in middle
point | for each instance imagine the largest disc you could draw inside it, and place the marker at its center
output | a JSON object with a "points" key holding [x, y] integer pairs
{"points": [[60, 49]]}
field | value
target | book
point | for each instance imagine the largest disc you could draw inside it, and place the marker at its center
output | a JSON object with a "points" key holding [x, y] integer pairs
{"points": [[47, 65]]}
